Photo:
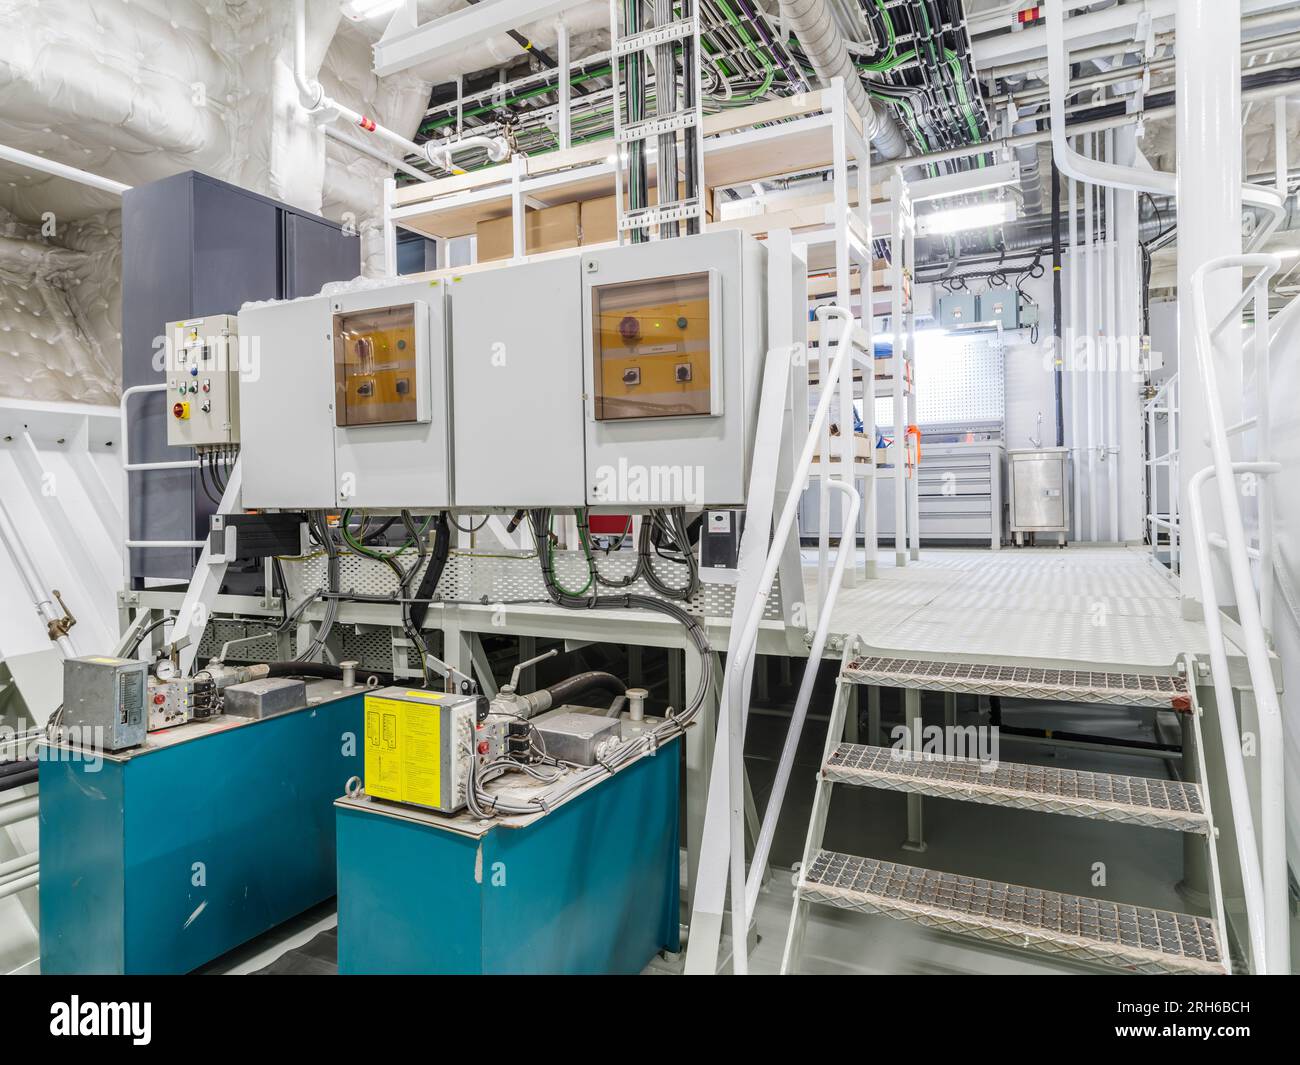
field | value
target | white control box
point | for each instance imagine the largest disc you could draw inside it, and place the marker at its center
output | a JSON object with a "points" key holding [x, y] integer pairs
{"points": [[675, 332], [348, 404], [203, 381]]}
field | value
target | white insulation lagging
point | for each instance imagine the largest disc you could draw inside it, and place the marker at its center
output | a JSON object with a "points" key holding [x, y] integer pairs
{"points": [[814, 24]]}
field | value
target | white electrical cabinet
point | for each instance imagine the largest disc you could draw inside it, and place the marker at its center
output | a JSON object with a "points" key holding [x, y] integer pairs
{"points": [[516, 355], [203, 381], [674, 336], [626, 378], [348, 404]]}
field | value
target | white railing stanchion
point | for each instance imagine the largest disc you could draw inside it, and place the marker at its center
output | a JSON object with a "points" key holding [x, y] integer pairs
{"points": [[1273, 954], [747, 617]]}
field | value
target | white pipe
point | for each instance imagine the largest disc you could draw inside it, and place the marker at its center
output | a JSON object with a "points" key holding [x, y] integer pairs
{"points": [[49, 166], [375, 153], [314, 100], [1132, 178], [12, 813], [33, 581], [19, 865], [12, 887], [1271, 738]]}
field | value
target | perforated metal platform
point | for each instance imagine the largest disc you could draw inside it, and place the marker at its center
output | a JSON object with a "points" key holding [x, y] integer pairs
{"points": [[1067, 685], [1100, 796], [1093, 930], [1102, 608]]}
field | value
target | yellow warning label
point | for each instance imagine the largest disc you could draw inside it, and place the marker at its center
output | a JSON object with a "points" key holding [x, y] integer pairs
{"points": [[430, 697], [403, 751]]}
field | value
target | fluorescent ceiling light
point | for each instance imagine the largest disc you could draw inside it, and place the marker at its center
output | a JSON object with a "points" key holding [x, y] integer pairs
{"points": [[957, 219], [1287, 253], [357, 10], [961, 182]]}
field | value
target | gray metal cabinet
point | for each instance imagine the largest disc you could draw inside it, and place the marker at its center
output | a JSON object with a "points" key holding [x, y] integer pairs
{"points": [[193, 246], [1040, 481]]}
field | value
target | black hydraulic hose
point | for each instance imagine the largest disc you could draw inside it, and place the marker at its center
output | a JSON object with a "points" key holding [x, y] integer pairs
{"points": [[18, 768], [432, 573], [1059, 360], [571, 688], [29, 775]]}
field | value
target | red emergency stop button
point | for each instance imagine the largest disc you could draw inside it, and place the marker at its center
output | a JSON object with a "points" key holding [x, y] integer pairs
{"points": [[483, 747], [159, 699], [181, 410]]}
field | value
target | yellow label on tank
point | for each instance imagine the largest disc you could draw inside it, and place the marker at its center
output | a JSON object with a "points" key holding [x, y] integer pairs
{"points": [[403, 751]]}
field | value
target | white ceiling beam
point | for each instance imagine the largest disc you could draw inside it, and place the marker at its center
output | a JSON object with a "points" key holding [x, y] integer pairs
{"points": [[402, 48]]}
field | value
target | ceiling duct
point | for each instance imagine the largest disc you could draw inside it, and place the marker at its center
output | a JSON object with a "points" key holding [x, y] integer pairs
{"points": [[814, 24]]}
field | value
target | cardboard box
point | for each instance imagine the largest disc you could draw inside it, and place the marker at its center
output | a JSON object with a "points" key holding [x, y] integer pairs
{"points": [[599, 220], [548, 229], [599, 217]]}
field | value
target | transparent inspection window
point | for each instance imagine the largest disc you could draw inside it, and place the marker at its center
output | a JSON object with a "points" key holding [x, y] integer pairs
{"points": [[375, 366], [652, 348]]}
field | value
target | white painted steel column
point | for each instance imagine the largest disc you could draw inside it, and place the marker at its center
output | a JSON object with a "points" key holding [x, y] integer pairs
{"points": [[1089, 310], [1208, 91], [1071, 357], [562, 58], [1128, 466], [1110, 378]]}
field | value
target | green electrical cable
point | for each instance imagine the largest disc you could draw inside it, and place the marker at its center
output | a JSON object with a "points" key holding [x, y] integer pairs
{"points": [[548, 557], [768, 67], [370, 552]]}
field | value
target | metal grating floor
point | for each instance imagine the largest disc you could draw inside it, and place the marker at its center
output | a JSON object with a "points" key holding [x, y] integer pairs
{"points": [[1027, 682], [1105, 608], [1148, 801], [1108, 933]]}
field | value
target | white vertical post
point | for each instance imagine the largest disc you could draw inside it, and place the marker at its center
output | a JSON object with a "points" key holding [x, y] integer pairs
{"points": [[1110, 380], [898, 356], [1089, 314], [390, 229], [1280, 147], [1070, 357], [914, 482], [1208, 118], [562, 46]]}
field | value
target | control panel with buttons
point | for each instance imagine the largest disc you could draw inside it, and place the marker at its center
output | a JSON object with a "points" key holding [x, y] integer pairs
{"points": [[203, 365]]}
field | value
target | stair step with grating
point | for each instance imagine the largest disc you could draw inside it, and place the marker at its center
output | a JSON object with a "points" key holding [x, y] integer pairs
{"points": [[1024, 682], [1155, 803], [1076, 927]]}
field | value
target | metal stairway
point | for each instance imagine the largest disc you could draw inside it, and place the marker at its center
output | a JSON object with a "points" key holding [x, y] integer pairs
{"points": [[1088, 930]]}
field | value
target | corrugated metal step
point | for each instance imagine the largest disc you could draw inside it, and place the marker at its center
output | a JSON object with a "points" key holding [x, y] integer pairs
{"points": [[1100, 796], [1083, 929], [1024, 682]]}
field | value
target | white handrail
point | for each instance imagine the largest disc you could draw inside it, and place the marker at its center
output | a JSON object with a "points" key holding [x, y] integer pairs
{"points": [[711, 887], [743, 662], [1275, 955], [767, 831]]}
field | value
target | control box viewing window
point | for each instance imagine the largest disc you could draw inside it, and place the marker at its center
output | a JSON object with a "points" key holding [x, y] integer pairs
{"points": [[376, 366], [653, 348]]}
